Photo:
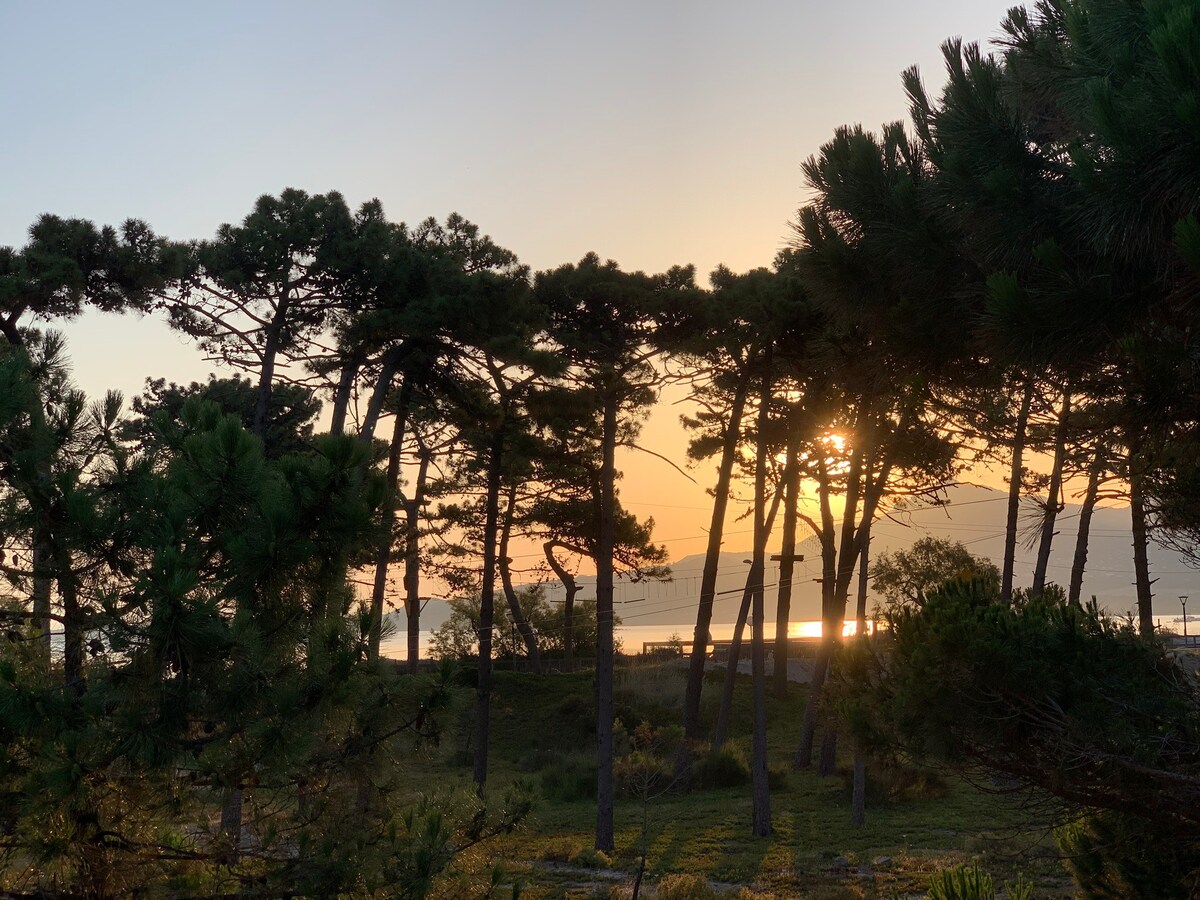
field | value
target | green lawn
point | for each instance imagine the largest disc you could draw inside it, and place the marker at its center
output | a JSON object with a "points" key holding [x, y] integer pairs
{"points": [[545, 725]]}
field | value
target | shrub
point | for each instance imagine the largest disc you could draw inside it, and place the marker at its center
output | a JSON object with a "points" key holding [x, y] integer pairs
{"points": [[777, 779], [685, 886], [721, 768], [538, 759], [1111, 855], [571, 779], [961, 883], [561, 849], [641, 774], [591, 859], [893, 781]]}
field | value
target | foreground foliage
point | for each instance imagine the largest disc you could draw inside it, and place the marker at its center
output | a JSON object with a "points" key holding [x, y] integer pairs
{"points": [[1050, 695]]}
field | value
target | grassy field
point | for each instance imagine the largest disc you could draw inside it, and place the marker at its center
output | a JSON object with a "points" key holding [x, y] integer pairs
{"points": [[543, 737]]}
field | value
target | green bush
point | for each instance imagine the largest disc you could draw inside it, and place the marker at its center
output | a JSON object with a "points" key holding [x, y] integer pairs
{"points": [[962, 883], [591, 859], [685, 886], [893, 781], [561, 849], [722, 768], [538, 759], [777, 779], [569, 780], [1110, 855], [641, 774]]}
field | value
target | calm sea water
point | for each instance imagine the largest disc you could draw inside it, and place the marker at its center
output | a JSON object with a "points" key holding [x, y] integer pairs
{"points": [[632, 637]]}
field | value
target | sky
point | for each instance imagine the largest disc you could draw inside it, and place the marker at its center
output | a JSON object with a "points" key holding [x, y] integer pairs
{"points": [[654, 133]]}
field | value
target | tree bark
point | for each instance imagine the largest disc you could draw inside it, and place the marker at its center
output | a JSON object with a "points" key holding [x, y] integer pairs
{"points": [[266, 378], [1079, 564], [802, 758], [389, 365], [725, 712], [487, 608], [605, 542], [829, 739], [43, 586], [1141, 560], [231, 821], [1014, 491], [383, 553], [721, 730], [343, 391], [1053, 495], [412, 561], [510, 593], [858, 799], [712, 561], [571, 588], [760, 787], [787, 564]]}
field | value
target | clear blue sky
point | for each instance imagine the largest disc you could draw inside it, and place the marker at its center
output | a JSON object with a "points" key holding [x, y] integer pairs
{"points": [[652, 132]]}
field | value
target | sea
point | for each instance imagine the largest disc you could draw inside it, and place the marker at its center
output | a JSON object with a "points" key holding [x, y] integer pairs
{"points": [[634, 638]]}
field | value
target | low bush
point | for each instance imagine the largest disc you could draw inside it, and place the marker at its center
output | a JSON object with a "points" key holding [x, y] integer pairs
{"points": [[685, 886], [1112, 855], [641, 774], [570, 779], [963, 883], [721, 768], [561, 849], [892, 781], [591, 859], [538, 759]]}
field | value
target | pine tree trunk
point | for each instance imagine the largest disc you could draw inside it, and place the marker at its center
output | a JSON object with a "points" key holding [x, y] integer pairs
{"points": [[389, 365], [383, 553], [266, 377], [487, 610], [571, 589], [1014, 491], [1085, 524], [231, 822], [712, 561], [43, 586], [834, 618], [725, 712], [412, 562], [1053, 496], [802, 758], [829, 738], [345, 388], [858, 798], [761, 791], [787, 565], [73, 626], [858, 802], [510, 593], [605, 542], [1141, 559]]}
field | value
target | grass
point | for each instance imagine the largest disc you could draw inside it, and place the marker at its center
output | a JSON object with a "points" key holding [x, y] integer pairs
{"points": [[544, 726]]}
